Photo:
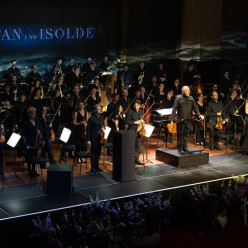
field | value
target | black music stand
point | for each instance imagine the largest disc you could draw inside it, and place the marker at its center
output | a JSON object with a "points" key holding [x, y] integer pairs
{"points": [[238, 120], [12, 142]]}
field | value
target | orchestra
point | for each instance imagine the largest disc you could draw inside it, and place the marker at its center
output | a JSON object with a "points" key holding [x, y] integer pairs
{"points": [[83, 98]]}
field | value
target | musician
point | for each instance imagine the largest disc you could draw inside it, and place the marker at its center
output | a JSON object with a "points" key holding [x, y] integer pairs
{"points": [[153, 86], [124, 100], [143, 97], [133, 120], [36, 85], [60, 66], [70, 66], [75, 94], [225, 84], [104, 65], [13, 69], [231, 108], [215, 87], [36, 100], [20, 108], [86, 65], [74, 77], [79, 120], [92, 101], [169, 100], [46, 126], [244, 144], [94, 126], [124, 78], [33, 76], [176, 87], [214, 110], [7, 95], [184, 105], [190, 75], [14, 87], [31, 129], [202, 109], [90, 74], [140, 74], [2, 117], [160, 96], [161, 72], [119, 118]]}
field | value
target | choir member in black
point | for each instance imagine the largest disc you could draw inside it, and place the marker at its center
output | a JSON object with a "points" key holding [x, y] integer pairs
{"points": [[119, 118], [169, 101], [13, 69], [214, 110], [104, 65], [94, 126], [133, 120], [233, 104], [33, 76], [20, 108], [202, 109], [176, 88], [46, 126], [190, 75], [31, 129], [160, 96], [79, 120], [86, 65], [37, 85], [161, 72], [184, 105], [124, 78], [92, 100], [36, 100], [124, 100], [91, 74], [7, 96], [2, 139]]}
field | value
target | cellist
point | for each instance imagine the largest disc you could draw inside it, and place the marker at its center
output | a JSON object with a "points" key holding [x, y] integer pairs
{"points": [[133, 120], [214, 111]]}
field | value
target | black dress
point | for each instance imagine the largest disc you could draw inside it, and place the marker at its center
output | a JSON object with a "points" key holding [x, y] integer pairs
{"points": [[80, 142]]}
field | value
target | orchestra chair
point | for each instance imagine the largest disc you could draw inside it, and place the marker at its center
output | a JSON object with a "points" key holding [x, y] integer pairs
{"points": [[66, 148], [83, 155], [226, 138], [106, 146]]}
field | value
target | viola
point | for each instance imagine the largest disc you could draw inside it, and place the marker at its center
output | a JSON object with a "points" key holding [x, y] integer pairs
{"points": [[52, 135], [102, 140], [40, 143], [141, 129], [219, 123]]}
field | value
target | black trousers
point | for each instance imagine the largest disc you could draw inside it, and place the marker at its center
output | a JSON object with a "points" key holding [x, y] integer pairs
{"points": [[213, 135], [183, 132], [137, 145], [48, 149], [1, 155], [31, 153], [95, 151]]}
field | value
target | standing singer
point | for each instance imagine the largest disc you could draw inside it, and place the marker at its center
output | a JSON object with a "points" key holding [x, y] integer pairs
{"points": [[184, 105]]}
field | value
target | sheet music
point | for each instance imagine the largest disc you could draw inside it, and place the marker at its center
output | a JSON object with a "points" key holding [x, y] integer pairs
{"points": [[13, 140], [149, 129], [163, 112], [106, 132]]}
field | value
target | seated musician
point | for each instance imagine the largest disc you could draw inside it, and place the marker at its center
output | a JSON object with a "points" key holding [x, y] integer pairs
{"points": [[184, 105], [160, 96], [124, 100], [31, 129], [231, 108], [94, 126], [202, 109], [214, 110], [133, 120]]}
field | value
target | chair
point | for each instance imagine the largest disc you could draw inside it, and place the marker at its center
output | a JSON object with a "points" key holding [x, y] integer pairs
{"points": [[83, 155], [66, 148], [108, 145], [225, 137]]}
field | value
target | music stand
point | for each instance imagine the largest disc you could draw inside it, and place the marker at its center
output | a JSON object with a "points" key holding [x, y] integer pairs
{"points": [[149, 130], [64, 137], [12, 142], [237, 119]]}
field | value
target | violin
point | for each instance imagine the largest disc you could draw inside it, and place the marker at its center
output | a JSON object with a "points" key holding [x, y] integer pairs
{"points": [[102, 140], [2, 138], [219, 123], [40, 143], [52, 135]]}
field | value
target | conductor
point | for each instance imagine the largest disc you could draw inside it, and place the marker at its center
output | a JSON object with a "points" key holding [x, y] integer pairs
{"points": [[182, 108]]}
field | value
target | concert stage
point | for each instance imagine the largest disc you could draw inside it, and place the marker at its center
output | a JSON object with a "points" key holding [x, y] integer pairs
{"points": [[30, 199]]}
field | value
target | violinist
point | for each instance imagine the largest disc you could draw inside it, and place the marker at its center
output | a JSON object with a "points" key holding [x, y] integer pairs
{"points": [[80, 118], [134, 120], [214, 110], [46, 136], [233, 103], [31, 130], [94, 127], [184, 105]]}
